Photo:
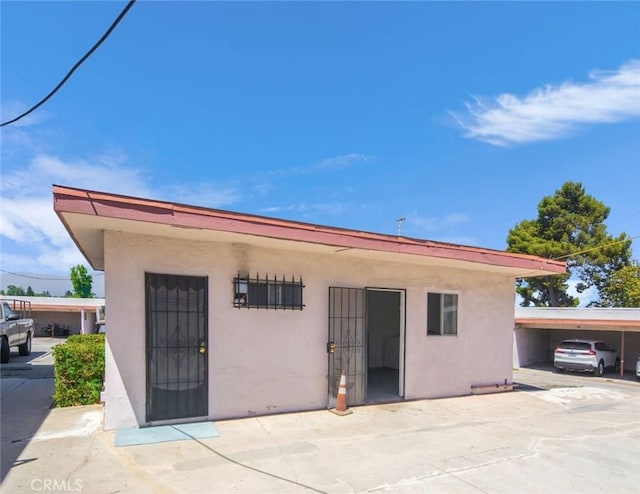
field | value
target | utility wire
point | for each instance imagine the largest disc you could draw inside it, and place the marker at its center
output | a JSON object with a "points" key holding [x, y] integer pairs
{"points": [[248, 467], [526, 275], [595, 248], [59, 278], [77, 64]]}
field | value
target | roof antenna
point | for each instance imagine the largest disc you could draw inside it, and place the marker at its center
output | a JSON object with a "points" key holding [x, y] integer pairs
{"points": [[400, 221]]}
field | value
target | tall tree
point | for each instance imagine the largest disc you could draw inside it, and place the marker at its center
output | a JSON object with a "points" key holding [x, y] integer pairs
{"points": [[81, 281], [622, 288], [570, 226]]}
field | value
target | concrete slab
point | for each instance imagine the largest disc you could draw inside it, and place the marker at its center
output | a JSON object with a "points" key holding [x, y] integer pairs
{"points": [[80, 421], [561, 439], [24, 405]]}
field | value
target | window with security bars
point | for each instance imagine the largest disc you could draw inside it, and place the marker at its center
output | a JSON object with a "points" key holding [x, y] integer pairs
{"points": [[267, 293]]}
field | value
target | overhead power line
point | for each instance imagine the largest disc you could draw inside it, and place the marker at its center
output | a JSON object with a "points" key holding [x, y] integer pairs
{"points": [[46, 277], [595, 248], [77, 64]]}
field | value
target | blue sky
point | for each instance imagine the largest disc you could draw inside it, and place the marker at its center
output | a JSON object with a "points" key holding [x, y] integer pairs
{"points": [[459, 117]]}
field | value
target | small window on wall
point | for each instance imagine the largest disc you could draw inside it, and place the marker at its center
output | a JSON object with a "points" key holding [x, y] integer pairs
{"points": [[442, 314], [267, 293]]}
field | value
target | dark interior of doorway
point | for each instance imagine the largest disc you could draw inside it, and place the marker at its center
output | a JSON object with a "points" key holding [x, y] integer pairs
{"points": [[383, 345]]}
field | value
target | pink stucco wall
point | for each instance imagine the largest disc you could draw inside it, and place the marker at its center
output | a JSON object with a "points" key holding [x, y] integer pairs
{"points": [[267, 361]]}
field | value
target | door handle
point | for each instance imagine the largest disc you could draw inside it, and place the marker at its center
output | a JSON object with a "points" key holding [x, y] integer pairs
{"points": [[202, 350], [331, 347]]}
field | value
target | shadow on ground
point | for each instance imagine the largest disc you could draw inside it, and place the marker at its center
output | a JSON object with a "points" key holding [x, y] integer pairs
{"points": [[26, 397]]}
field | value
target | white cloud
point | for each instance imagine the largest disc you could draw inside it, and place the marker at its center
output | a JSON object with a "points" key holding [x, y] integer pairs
{"points": [[17, 138], [31, 220], [272, 209], [12, 109], [434, 224], [202, 194], [261, 189], [107, 172], [441, 229], [339, 162], [28, 220], [552, 112], [35, 240], [67, 255], [586, 297], [27, 217], [330, 208]]}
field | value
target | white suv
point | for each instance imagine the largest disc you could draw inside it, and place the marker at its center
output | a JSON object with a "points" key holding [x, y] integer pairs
{"points": [[586, 356]]}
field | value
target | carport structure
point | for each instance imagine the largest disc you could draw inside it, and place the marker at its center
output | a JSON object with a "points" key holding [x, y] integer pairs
{"points": [[539, 330], [72, 315]]}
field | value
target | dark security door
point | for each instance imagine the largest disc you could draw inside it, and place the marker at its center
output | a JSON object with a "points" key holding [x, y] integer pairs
{"points": [[346, 344], [176, 320]]}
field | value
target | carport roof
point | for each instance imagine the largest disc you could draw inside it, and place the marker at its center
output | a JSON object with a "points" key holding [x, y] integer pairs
{"points": [[59, 304], [593, 318], [88, 214]]}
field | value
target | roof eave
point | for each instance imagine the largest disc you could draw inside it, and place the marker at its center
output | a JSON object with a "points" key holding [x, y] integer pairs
{"points": [[103, 205]]}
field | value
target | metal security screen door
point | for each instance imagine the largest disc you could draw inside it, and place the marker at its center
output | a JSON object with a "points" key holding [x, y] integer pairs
{"points": [[176, 320], [346, 344]]}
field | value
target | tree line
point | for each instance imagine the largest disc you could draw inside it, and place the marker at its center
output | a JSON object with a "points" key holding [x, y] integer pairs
{"points": [[570, 226], [81, 281]]}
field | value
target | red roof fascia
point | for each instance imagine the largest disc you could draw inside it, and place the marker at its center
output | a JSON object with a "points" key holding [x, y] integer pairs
{"points": [[101, 204]]}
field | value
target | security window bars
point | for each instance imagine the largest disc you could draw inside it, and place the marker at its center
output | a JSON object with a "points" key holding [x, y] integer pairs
{"points": [[267, 293], [442, 314]]}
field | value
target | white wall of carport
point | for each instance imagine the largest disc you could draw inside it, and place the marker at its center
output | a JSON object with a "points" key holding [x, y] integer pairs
{"points": [[530, 346], [536, 346], [69, 320], [267, 361]]}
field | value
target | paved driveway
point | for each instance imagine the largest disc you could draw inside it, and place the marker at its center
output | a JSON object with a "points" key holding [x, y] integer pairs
{"points": [[26, 389], [582, 435], [544, 376]]}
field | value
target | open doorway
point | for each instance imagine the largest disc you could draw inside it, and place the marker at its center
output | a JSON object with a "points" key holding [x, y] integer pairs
{"points": [[385, 345], [366, 341]]}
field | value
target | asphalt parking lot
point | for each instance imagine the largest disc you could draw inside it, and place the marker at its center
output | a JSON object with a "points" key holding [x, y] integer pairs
{"points": [[544, 376], [37, 365], [559, 433]]}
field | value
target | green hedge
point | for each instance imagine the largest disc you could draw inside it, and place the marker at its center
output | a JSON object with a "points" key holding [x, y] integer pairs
{"points": [[79, 370], [86, 338]]}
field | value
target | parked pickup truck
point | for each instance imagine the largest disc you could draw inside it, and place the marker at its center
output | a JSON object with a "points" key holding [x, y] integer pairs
{"points": [[16, 327]]}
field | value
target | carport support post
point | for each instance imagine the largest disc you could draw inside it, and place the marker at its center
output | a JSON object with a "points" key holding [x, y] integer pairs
{"points": [[622, 356]]}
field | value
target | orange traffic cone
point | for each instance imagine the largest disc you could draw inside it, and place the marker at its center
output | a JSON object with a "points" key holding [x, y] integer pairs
{"points": [[341, 399]]}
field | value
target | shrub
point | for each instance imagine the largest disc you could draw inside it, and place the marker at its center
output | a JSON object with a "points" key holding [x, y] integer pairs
{"points": [[79, 370], [86, 338]]}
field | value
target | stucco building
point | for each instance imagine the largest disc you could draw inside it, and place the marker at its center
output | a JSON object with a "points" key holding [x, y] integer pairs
{"points": [[218, 314]]}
